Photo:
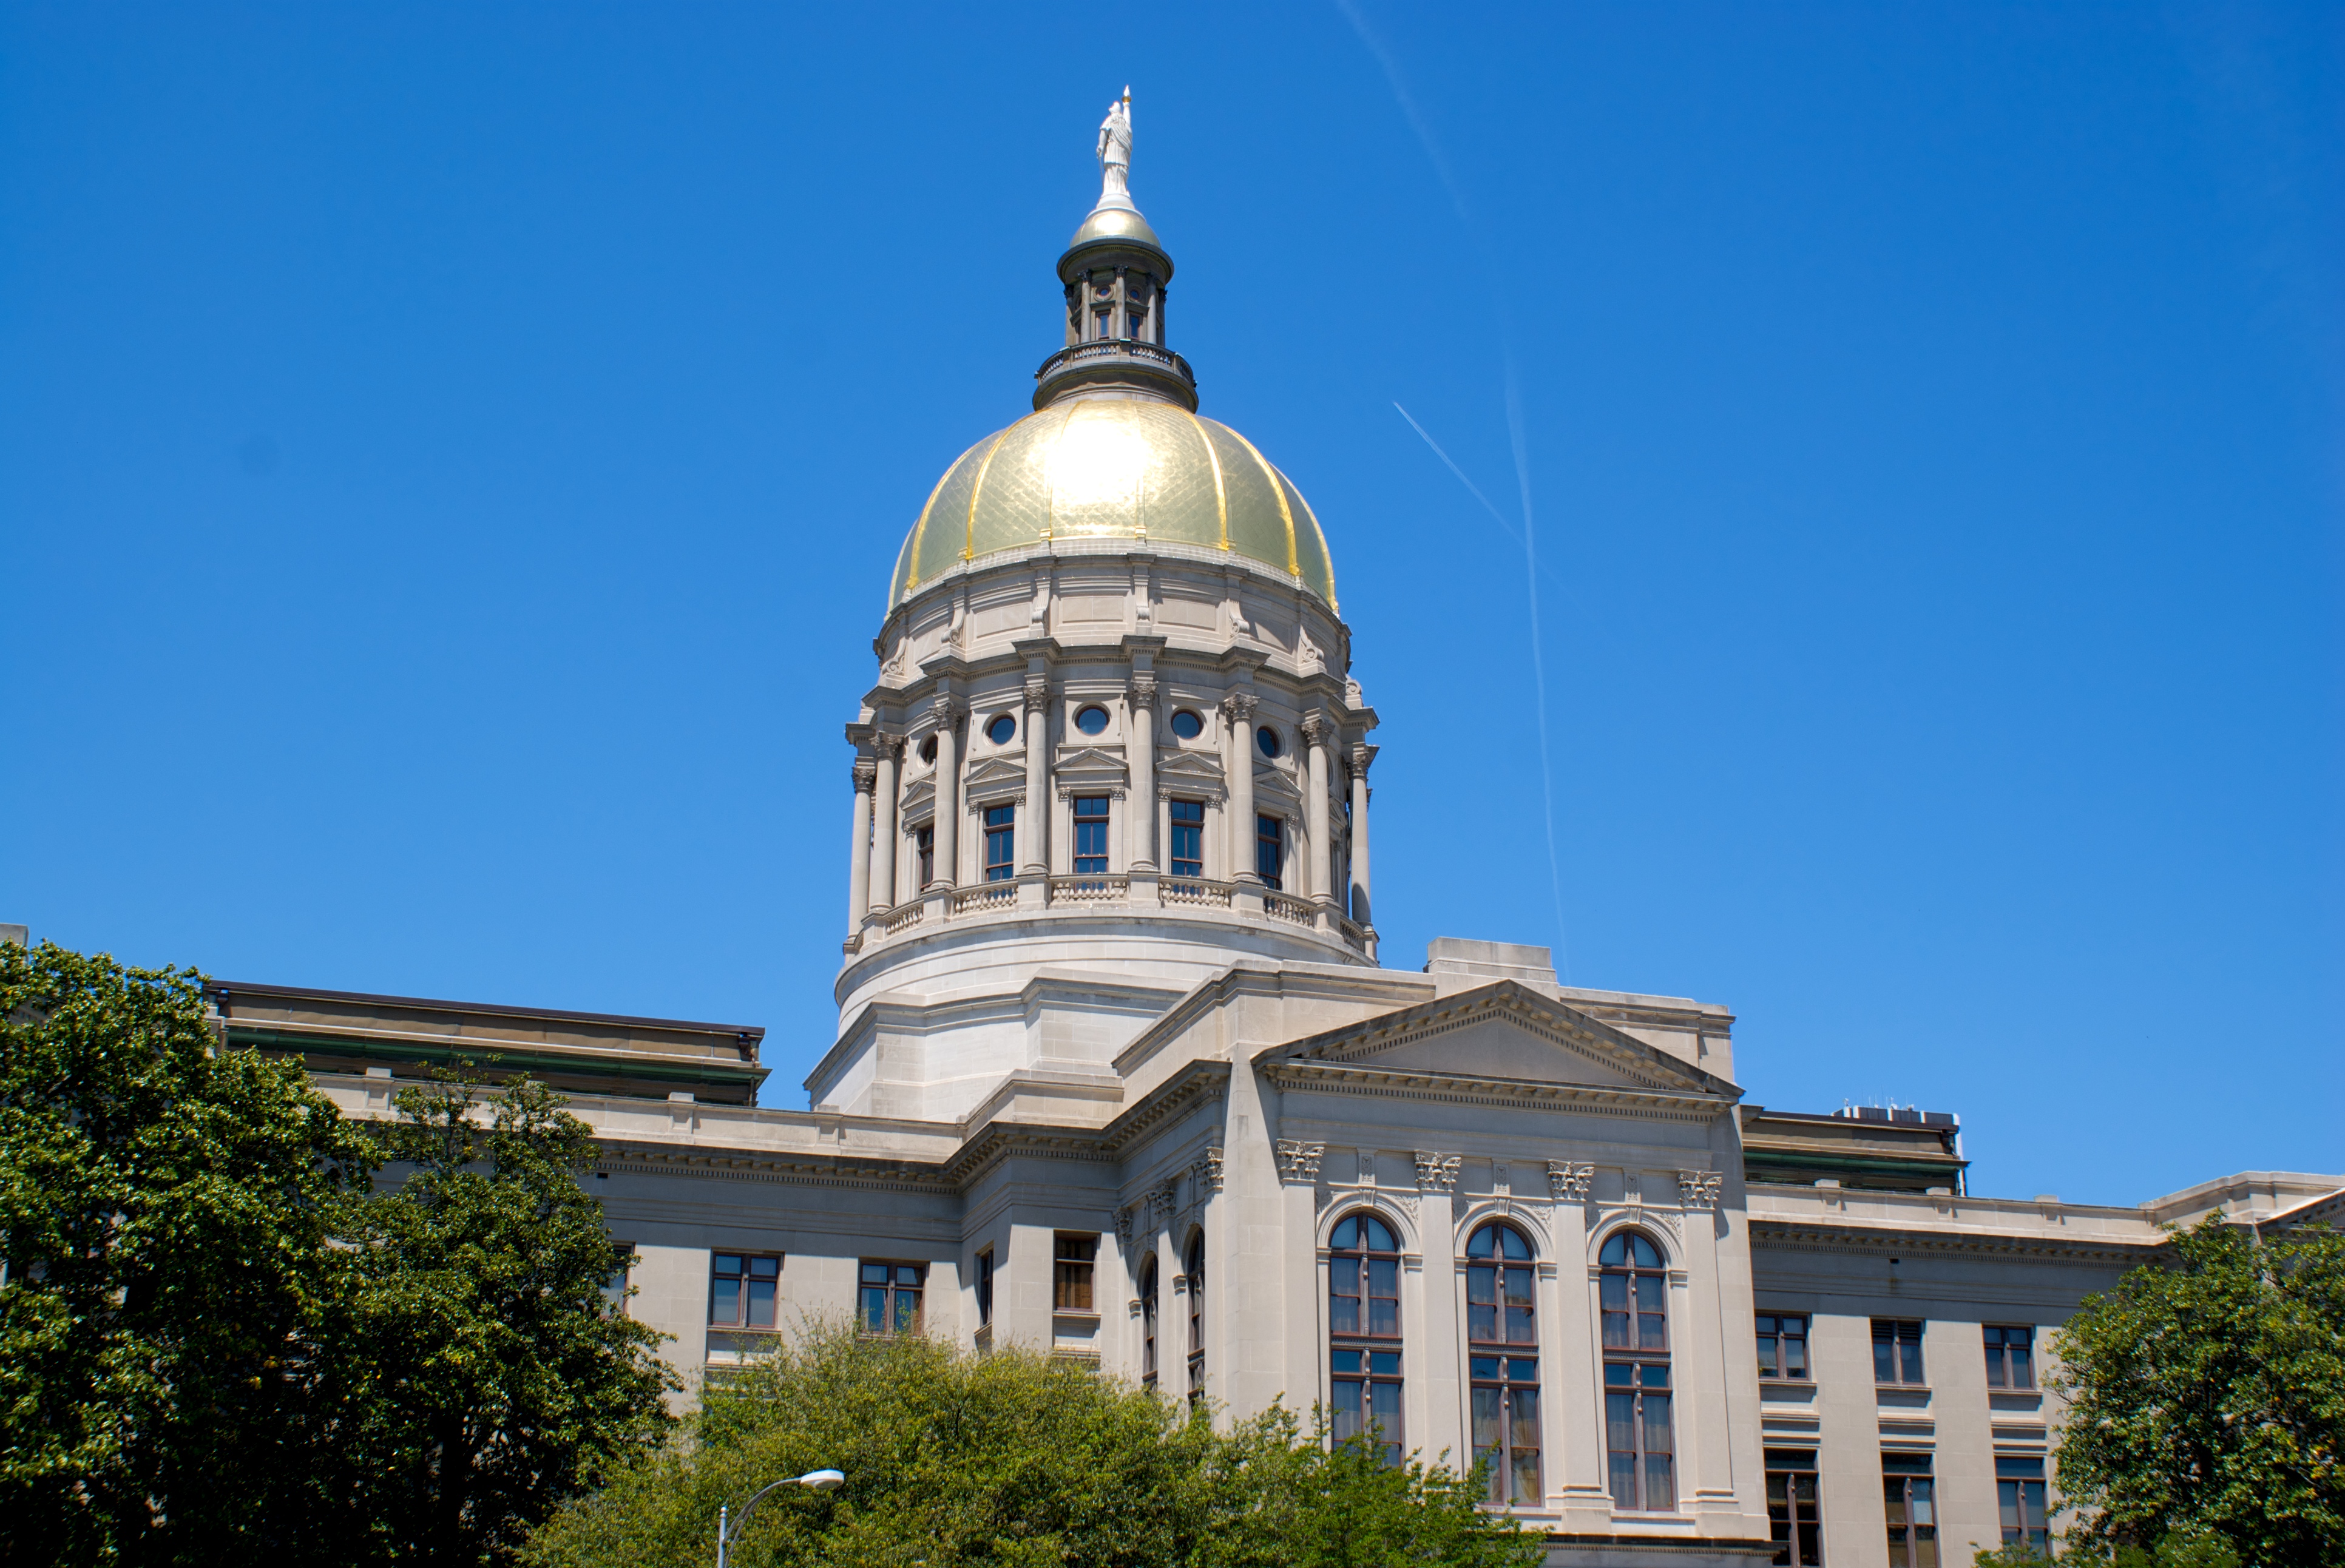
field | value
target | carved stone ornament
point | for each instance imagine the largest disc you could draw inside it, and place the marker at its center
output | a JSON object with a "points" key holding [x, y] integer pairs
{"points": [[1436, 1172], [1362, 755], [866, 775], [948, 708], [1698, 1188], [1123, 1231], [1206, 1170], [1315, 726], [1038, 692], [1162, 1199], [889, 746], [1238, 708], [1142, 693], [1569, 1182], [1298, 1161]]}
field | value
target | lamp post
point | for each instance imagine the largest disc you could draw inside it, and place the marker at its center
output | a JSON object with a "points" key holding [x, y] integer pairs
{"points": [[728, 1532]]}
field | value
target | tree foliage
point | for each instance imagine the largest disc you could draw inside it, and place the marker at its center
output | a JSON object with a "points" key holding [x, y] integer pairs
{"points": [[1012, 1458], [2207, 1402], [165, 1209], [221, 1341]]}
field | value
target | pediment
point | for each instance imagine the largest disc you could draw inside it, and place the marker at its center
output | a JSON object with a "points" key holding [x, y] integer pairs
{"points": [[994, 773], [919, 796], [1190, 770], [1507, 1033], [1088, 767]]}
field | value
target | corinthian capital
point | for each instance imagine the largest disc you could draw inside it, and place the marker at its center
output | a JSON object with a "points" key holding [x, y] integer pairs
{"points": [[1141, 691], [1315, 726], [1037, 693], [948, 708], [867, 775], [1362, 754], [1238, 708]]}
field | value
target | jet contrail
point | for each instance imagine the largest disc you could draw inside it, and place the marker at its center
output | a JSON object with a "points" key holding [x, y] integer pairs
{"points": [[1528, 538]]}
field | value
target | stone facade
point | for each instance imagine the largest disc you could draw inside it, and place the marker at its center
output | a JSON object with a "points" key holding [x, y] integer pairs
{"points": [[1110, 1010]]}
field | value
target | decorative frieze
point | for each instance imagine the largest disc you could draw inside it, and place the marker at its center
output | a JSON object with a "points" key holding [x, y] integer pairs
{"points": [[1569, 1181], [1436, 1172], [1298, 1161], [1698, 1188]]}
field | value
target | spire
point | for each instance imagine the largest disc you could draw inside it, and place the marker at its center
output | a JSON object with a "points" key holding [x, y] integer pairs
{"points": [[1114, 274]]}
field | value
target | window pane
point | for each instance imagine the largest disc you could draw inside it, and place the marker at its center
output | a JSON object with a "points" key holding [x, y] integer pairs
{"points": [[1660, 1482], [1652, 1331], [1522, 1370], [1656, 1423], [1385, 1363], [1347, 1409], [1885, 1357], [1912, 1357], [1526, 1475], [725, 1301], [1522, 1427], [1795, 1358], [2023, 1368], [1767, 1368], [1624, 1480], [761, 1303], [1383, 1405], [1485, 1421], [875, 1307], [1344, 1360], [907, 1311]]}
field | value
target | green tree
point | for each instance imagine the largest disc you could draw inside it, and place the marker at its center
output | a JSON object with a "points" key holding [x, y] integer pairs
{"points": [[165, 1210], [1012, 1458], [2207, 1403], [491, 1381]]}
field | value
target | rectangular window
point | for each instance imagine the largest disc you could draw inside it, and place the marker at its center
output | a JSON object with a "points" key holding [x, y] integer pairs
{"points": [[1269, 849], [1506, 1426], [1783, 1346], [1794, 1520], [741, 1291], [2010, 1357], [924, 845], [1001, 842], [1197, 1317], [1643, 1465], [985, 1286], [614, 1283], [1070, 1273], [890, 1297], [1367, 1385], [1091, 835], [1910, 1500], [2019, 1488], [1896, 1352], [1188, 837]]}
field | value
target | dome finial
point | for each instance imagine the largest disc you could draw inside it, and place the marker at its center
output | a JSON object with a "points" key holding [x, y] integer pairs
{"points": [[1114, 152]]}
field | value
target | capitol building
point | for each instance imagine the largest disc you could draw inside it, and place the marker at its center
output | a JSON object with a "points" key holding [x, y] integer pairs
{"points": [[1123, 1069]]}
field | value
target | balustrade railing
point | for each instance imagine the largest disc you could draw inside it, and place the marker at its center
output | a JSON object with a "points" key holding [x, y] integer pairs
{"points": [[1195, 890], [1282, 906], [1089, 889], [904, 916], [986, 896]]}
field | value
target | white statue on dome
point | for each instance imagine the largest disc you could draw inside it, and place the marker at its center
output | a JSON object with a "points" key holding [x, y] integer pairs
{"points": [[1114, 152]]}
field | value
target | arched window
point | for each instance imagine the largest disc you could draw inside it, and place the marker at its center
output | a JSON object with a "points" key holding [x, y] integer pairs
{"points": [[1636, 1431], [1196, 1267], [1364, 1333], [1148, 1322], [1502, 1360]]}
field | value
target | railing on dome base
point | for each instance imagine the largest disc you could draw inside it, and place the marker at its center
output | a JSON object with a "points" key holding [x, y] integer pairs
{"points": [[1033, 894]]}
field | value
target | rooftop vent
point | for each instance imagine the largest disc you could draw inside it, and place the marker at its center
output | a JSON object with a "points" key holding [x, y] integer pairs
{"points": [[1904, 1115]]}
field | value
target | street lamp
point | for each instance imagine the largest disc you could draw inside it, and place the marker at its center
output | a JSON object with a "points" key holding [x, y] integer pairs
{"points": [[728, 1532]]}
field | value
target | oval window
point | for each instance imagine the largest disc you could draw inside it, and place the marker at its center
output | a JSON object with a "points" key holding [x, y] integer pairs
{"points": [[1187, 725], [928, 750], [1267, 739], [1091, 721], [1001, 729]]}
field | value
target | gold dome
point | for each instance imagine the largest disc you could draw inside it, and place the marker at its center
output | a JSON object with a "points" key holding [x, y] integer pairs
{"points": [[1116, 467]]}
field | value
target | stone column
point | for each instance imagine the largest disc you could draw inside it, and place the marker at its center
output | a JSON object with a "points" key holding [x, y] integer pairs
{"points": [[1362, 755], [1237, 715], [1140, 819], [1034, 816], [858, 851], [880, 894], [948, 709], [1317, 861]]}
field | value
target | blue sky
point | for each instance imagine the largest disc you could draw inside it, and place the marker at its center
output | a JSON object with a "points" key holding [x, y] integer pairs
{"points": [[450, 459]]}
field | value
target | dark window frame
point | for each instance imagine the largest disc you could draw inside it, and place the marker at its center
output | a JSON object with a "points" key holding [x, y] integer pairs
{"points": [[1632, 1304], [1795, 1507], [892, 1291], [924, 849], [1909, 1500], [1000, 826], [1194, 1263], [2010, 1356], [985, 1288], [1090, 815], [1186, 833], [1149, 1277], [2023, 1502], [1776, 1338], [1270, 850], [745, 1275], [1900, 1340], [1074, 1270], [1365, 1367], [1502, 1364]]}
